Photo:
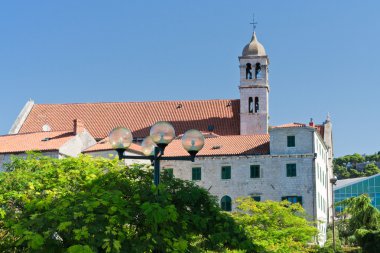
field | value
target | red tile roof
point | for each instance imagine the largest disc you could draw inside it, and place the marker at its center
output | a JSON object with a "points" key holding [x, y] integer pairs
{"points": [[101, 118], [39, 141], [225, 146], [320, 128], [104, 145]]}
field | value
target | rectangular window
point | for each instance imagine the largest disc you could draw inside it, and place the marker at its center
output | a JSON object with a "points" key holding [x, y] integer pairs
{"points": [[169, 171], [293, 199], [291, 141], [197, 173], [256, 198], [255, 171], [291, 170], [226, 172]]}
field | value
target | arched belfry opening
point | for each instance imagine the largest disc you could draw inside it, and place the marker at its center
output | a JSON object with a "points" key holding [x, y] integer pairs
{"points": [[257, 69], [256, 104], [248, 71], [250, 105]]}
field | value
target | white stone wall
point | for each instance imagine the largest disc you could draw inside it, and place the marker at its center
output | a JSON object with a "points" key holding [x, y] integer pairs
{"points": [[273, 183], [303, 139], [77, 144], [322, 185]]}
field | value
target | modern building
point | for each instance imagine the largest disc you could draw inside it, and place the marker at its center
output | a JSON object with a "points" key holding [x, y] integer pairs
{"points": [[353, 187], [243, 154]]}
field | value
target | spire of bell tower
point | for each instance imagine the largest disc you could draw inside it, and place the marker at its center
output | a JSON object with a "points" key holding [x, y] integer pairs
{"points": [[254, 87]]}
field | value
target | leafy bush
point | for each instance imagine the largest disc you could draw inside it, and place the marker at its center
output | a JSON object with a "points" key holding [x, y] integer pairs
{"points": [[275, 226], [98, 205]]}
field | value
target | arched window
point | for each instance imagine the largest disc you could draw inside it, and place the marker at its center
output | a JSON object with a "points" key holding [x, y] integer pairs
{"points": [[226, 203], [248, 71], [257, 69], [250, 105], [256, 104]]}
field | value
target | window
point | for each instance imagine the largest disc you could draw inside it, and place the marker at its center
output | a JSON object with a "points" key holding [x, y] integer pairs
{"points": [[256, 104], [196, 173], [291, 170], [225, 203], [256, 198], [255, 171], [169, 171], [291, 141], [293, 199], [226, 172], [250, 105]]}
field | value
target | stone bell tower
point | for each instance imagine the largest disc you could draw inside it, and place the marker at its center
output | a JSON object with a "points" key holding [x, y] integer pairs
{"points": [[254, 89]]}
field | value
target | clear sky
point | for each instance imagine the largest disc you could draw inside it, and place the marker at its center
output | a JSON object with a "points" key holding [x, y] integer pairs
{"points": [[324, 57]]}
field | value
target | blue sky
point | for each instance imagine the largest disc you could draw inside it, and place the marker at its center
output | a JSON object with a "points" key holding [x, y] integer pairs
{"points": [[324, 57]]}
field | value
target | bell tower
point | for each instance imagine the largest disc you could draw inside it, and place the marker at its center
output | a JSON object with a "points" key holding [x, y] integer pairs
{"points": [[254, 88]]}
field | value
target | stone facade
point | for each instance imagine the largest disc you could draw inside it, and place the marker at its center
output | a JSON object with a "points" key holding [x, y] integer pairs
{"points": [[309, 155]]}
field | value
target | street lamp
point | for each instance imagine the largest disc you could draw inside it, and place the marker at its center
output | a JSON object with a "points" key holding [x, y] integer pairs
{"points": [[333, 182], [153, 146]]}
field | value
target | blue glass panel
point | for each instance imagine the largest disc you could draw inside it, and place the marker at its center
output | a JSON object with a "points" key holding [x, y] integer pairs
{"points": [[360, 187], [355, 188], [377, 180], [365, 186]]}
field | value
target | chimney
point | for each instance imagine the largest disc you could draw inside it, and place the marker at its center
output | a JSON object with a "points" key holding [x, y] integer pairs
{"points": [[78, 126], [311, 123]]}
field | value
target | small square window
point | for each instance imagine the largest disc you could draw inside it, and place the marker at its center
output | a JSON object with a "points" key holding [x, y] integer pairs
{"points": [[255, 171], [291, 170], [196, 173], [291, 141], [256, 198], [226, 172]]}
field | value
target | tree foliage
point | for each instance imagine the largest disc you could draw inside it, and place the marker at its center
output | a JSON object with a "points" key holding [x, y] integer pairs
{"points": [[275, 226], [98, 205], [346, 166], [359, 223]]}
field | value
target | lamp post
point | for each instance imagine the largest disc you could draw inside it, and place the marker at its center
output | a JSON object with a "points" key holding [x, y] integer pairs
{"points": [[333, 182], [153, 146]]}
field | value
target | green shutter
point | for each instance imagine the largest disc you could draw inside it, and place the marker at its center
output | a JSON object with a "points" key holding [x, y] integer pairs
{"points": [[291, 170], [291, 141], [226, 172], [196, 173], [255, 171], [226, 204]]}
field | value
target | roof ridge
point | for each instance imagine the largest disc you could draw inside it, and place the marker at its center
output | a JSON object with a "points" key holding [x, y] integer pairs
{"points": [[140, 102], [63, 131]]}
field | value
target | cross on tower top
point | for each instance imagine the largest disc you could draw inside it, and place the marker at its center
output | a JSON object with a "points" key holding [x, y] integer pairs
{"points": [[253, 23]]}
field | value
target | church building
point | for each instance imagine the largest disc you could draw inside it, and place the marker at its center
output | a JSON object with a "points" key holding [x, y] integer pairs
{"points": [[243, 155]]}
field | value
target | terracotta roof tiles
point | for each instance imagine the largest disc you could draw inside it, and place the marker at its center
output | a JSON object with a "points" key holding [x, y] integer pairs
{"points": [[104, 145], [38, 141], [101, 118], [225, 146]]}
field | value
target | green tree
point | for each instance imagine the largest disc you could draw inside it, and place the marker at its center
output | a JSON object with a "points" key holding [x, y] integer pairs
{"points": [[371, 169], [99, 205], [359, 222], [275, 226]]}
